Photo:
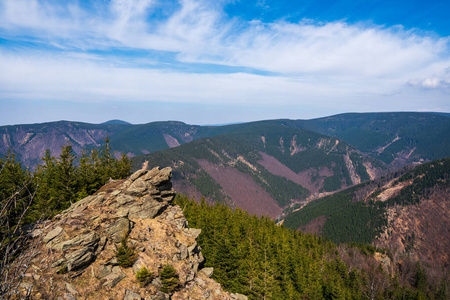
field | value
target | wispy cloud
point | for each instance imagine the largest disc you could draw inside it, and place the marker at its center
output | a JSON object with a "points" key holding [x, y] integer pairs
{"points": [[305, 60]]}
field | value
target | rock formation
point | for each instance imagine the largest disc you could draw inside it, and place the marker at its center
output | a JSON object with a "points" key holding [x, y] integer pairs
{"points": [[77, 252]]}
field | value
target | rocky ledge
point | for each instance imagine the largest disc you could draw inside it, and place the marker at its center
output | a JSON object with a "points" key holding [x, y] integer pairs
{"points": [[76, 256]]}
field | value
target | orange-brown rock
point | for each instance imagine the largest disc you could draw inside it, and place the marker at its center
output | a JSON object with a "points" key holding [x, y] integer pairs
{"points": [[76, 254]]}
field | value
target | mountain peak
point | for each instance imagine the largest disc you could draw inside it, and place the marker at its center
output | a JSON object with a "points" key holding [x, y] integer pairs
{"points": [[81, 246], [116, 122]]}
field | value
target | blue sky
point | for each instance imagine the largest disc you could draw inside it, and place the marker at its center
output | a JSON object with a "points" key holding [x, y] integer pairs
{"points": [[213, 62]]}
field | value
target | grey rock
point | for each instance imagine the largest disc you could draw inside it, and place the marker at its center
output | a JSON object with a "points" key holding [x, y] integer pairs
{"points": [[136, 175], [190, 276], [207, 271], [148, 209], [101, 245], [130, 295], [122, 212], [80, 258], [118, 229], [58, 262], [151, 174], [138, 265], [52, 234], [200, 258], [195, 232], [238, 296], [35, 233], [137, 188], [71, 289], [26, 285], [89, 240], [115, 277], [97, 199], [103, 271], [68, 296], [159, 178], [195, 266], [113, 262], [160, 296], [157, 283], [193, 249], [183, 251], [123, 199]]}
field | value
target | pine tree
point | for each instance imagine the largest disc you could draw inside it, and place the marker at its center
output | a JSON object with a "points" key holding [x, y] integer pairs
{"points": [[66, 178]]}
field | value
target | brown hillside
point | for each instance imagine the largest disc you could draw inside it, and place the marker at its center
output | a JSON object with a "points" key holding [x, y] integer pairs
{"points": [[421, 231], [242, 189]]}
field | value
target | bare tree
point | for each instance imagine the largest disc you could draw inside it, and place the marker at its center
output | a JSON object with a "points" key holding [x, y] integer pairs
{"points": [[17, 247]]}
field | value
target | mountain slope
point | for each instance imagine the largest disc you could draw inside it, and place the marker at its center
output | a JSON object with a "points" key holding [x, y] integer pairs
{"points": [[29, 142], [263, 167], [398, 139], [407, 212]]}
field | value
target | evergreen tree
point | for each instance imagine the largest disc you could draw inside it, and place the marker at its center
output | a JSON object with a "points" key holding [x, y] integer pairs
{"points": [[66, 178]]}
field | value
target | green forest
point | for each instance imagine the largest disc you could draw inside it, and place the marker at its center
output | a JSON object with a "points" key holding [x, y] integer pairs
{"points": [[58, 182], [256, 257]]}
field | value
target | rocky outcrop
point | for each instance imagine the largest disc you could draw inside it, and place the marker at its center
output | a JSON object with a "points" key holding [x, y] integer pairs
{"points": [[77, 257]]}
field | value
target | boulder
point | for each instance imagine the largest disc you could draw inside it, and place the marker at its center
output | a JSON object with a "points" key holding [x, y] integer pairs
{"points": [[207, 271], [80, 259], [88, 240], [118, 229], [114, 277]]}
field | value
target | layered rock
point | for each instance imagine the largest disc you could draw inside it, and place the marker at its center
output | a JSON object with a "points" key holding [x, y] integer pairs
{"points": [[77, 252]]}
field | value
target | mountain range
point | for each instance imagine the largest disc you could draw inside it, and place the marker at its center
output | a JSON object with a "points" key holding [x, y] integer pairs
{"points": [[264, 167]]}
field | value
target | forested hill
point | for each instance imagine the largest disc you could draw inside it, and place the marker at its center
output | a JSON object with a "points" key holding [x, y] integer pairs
{"points": [[398, 139], [407, 211], [264, 167]]}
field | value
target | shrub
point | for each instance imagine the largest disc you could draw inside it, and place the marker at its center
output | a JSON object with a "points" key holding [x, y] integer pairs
{"points": [[169, 279], [126, 255], [144, 276]]}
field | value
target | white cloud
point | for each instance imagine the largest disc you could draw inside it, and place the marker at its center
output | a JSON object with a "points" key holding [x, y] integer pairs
{"points": [[326, 62], [440, 80]]}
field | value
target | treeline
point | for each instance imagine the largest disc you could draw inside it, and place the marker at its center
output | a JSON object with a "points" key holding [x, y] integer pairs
{"points": [[255, 257], [56, 183]]}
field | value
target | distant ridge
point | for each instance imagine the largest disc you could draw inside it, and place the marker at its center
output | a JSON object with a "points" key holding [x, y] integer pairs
{"points": [[115, 122], [440, 114]]}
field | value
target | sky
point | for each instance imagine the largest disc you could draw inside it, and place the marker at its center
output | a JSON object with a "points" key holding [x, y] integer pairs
{"points": [[219, 61]]}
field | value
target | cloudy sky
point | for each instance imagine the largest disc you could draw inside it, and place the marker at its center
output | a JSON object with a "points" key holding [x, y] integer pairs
{"points": [[219, 61]]}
